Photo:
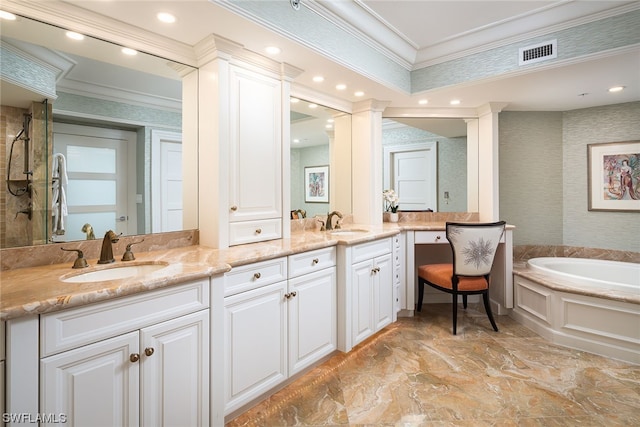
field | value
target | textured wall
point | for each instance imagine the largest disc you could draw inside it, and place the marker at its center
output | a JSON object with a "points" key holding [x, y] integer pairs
{"points": [[607, 230], [531, 176], [543, 177]]}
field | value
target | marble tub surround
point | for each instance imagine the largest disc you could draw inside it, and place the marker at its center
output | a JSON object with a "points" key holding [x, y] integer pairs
{"points": [[50, 254], [522, 253], [416, 373]]}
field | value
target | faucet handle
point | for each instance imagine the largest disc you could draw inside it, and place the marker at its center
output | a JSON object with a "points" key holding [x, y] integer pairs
{"points": [[80, 262], [322, 228], [128, 255]]}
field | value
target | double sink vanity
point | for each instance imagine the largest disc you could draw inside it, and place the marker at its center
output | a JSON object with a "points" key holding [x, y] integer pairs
{"points": [[192, 335]]}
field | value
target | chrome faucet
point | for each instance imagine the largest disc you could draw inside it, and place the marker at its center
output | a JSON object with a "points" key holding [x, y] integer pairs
{"points": [[330, 219], [106, 254]]}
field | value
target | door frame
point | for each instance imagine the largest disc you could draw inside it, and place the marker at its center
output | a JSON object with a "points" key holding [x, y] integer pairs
{"points": [[390, 150], [157, 138]]}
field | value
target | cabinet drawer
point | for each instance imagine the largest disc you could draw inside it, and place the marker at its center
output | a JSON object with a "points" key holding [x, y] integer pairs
{"points": [[251, 276], [437, 237], [254, 231], [75, 327], [369, 250], [308, 262], [431, 237]]}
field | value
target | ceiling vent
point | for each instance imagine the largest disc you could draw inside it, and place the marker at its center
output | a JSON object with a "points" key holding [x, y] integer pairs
{"points": [[538, 52]]}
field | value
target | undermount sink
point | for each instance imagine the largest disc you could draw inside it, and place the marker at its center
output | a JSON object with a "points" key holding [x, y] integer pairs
{"points": [[348, 231], [114, 272]]}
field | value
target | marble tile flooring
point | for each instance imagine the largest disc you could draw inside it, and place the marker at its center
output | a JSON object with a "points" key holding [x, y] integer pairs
{"points": [[415, 373]]}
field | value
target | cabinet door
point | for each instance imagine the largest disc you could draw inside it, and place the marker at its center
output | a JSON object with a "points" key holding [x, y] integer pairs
{"points": [[255, 187], [383, 292], [312, 318], [362, 301], [255, 343], [94, 385], [175, 372]]}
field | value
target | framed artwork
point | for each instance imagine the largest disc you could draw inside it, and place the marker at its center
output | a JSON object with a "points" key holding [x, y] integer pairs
{"points": [[316, 184], [614, 176]]}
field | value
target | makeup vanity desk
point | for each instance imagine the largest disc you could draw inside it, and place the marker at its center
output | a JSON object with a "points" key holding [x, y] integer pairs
{"points": [[427, 244]]}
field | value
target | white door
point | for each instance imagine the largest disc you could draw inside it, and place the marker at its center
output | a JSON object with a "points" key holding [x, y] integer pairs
{"points": [[383, 292], [99, 189], [255, 343], [362, 301], [175, 372], [414, 180], [166, 187], [312, 318], [95, 385]]}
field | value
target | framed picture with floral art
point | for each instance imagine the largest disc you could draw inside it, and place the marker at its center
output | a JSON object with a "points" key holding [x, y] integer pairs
{"points": [[316, 184], [614, 176]]}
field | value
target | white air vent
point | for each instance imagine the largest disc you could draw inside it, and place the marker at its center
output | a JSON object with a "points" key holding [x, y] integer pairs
{"points": [[538, 52]]}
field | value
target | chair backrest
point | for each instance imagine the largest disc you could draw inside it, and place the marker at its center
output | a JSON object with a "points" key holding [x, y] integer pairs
{"points": [[474, 246]]}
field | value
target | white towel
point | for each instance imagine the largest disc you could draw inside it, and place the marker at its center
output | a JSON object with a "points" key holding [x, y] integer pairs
{"points": [[58, 196]]}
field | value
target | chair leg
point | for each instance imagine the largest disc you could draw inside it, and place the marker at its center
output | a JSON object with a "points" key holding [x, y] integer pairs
{"points": [[420, 295], [487, 308], [464, 301], [455, 312]]}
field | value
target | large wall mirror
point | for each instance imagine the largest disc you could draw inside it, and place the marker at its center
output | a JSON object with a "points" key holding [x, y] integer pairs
{"points": [[425, 161], [94, 138], [319, 135]]}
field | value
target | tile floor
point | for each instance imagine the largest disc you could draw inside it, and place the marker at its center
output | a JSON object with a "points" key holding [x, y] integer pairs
{"points": [[415, 373]]}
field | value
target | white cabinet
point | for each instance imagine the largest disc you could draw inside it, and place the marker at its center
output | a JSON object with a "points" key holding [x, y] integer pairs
{"points": [[399, 272], [312, 307], [274, 327], [366, 291], [137, 360], [255, 163]]}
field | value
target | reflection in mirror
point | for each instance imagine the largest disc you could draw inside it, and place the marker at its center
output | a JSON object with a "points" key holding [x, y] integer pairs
{"points": [[105, 138], [315, 131], [425, 161]]}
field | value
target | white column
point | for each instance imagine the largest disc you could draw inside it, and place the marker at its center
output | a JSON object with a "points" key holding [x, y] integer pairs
{"points": [[488, 171], [366, 165]]}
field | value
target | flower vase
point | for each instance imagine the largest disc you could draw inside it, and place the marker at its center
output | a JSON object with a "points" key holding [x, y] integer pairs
{"points": [[393, 217]]}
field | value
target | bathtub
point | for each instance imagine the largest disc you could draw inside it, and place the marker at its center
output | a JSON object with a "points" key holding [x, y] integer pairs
{"points": [[593, 273], [587, 304]]}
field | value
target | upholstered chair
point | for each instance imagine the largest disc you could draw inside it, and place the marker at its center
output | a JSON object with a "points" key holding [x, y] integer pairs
{"points": [[473, 246]]}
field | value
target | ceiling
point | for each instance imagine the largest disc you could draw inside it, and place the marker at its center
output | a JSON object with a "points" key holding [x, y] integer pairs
{"points": [[417, 34]]}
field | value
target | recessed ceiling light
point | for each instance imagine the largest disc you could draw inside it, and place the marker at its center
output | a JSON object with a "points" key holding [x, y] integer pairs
{"points": [[358, 93], [74, 36], [129, 51], [7, 15], [455, 102], [330, 120], [341, 86], [328, 126], [318, 79], [294, 100], [272, 50], [313, 106], [166, 17], [423, 102], [616, 89], [296, 140]]}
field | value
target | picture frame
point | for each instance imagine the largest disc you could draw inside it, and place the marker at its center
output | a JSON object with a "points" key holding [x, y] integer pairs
{"points": [[316, 184], [614, 176]]}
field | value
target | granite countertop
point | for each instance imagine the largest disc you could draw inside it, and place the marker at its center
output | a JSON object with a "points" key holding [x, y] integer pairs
{"points": [[37, 290]]}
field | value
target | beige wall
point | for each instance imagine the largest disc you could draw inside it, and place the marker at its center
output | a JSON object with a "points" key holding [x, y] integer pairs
{"points": [[543, 177]]}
